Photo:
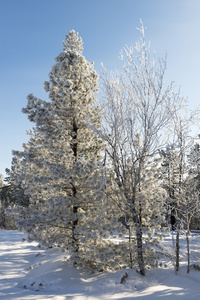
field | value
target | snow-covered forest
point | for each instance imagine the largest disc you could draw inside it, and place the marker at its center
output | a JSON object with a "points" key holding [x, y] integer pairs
{"points": [[111, 166]]}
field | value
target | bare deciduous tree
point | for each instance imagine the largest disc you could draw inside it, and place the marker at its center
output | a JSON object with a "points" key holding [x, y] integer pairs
{"points": [[137, 110]]}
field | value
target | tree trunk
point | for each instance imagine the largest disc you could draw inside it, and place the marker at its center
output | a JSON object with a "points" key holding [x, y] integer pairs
{"points": [[75, 240], [188, 249], [140, 249], [177, 250], [130, 255]]}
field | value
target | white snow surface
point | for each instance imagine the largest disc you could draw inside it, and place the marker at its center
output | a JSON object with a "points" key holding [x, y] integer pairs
{"points": [[30, 272]]}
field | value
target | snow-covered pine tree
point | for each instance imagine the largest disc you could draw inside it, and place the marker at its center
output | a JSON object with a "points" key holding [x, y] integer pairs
{"points": [[170, 171], [1, 202], [30, 197], [1, 180], [65, 182], [6, 201], [191, 202], [194, 165], [183, 194], [182, 205]]}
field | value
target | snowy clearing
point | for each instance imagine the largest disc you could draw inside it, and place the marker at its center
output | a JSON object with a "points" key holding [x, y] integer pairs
{"points": [[28, 272]]}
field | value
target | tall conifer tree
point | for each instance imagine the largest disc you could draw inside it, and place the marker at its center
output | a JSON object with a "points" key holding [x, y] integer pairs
{"points": [[62, 157]]}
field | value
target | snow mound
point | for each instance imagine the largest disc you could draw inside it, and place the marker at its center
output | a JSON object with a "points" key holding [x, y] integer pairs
{"points": [[28, 272]]}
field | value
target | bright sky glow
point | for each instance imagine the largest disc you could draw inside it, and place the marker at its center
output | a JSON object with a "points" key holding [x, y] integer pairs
{"points": [[31, 35]]}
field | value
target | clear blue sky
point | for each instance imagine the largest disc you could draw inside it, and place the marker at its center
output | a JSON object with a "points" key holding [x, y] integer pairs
{"points": [[31, 35]]}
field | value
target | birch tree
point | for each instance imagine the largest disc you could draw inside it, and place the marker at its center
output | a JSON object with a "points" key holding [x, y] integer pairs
{"points": [[137, 109]]}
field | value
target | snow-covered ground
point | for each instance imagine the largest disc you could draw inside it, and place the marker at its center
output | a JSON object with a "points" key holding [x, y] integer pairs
{"points": [[28, 272]]}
